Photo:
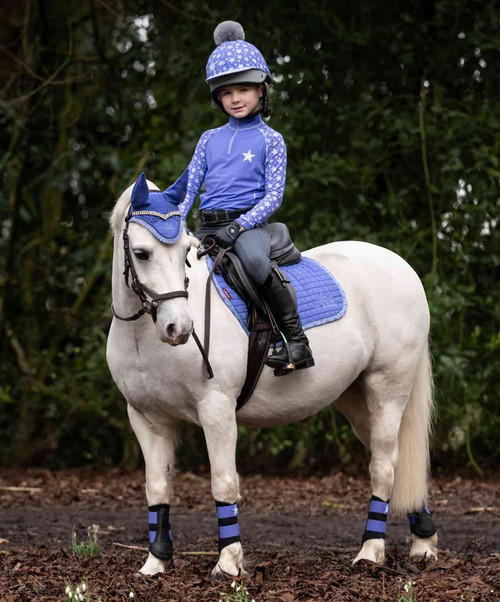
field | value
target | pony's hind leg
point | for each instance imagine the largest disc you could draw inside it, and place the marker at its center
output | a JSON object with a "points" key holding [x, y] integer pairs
{"points": [[423, 535], [385, 400], [158, 452], [217, 417]]}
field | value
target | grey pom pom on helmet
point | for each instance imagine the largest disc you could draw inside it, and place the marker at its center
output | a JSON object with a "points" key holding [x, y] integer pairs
{"points": [[228, 31]]}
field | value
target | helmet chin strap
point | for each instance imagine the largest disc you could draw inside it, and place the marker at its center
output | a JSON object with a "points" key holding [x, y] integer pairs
{"points": [[264, 102]]}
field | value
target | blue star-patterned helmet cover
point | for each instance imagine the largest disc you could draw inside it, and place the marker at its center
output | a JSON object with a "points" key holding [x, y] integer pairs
{"points": [[158, 212], [233, 57], [234, 60]]}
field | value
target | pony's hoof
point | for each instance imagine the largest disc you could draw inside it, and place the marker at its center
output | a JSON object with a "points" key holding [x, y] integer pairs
{"points": [[219, 574], [230, 563], [424, 548], [150, 570], [373, 550], [154, 565]]}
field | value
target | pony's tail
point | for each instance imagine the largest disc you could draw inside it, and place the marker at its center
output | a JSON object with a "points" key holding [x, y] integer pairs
{"points": [[412, 472]]}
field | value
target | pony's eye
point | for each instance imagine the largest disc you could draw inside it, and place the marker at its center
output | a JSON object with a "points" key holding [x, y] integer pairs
{"points": [[141, 254]]}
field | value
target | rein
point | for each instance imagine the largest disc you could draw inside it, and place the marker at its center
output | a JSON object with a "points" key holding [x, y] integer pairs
{"points": [[216, 263], [151, 306]]}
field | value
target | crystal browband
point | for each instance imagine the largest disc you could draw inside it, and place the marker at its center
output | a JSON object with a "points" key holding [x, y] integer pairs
{"points": [[164, 216]]}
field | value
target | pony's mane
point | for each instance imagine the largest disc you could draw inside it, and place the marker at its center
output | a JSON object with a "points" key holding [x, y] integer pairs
{"points": [[120, 209]]}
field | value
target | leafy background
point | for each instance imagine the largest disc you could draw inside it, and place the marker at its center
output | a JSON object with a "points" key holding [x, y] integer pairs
{"points": [[391, 117]]}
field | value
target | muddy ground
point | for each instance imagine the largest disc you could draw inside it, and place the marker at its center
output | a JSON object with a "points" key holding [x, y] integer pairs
{"points": [[299, 536]]}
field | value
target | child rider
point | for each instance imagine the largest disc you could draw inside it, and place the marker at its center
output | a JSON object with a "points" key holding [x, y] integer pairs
{"points": [[243, 164]]}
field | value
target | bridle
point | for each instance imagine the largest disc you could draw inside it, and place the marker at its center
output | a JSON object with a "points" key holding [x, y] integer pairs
{"points": [[150, 306], [141, 290]]}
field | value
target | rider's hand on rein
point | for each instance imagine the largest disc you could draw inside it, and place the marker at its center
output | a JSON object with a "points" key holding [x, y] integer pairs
{"points": [[226, 236]]}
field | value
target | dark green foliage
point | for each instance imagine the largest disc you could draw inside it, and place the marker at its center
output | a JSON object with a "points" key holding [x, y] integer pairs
{"points": [[391, 122]]}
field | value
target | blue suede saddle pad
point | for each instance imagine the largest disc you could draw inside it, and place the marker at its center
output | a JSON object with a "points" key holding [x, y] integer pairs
{"points": [[320, 298]]}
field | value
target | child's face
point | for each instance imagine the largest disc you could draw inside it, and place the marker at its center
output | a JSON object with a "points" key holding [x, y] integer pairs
{"points": [[240, 100]]}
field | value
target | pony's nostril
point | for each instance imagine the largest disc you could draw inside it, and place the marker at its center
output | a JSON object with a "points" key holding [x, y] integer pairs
{"points": [[171, 331]]}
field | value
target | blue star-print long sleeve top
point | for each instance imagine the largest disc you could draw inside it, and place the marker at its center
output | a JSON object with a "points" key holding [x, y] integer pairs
{"points": [[243, 164]]}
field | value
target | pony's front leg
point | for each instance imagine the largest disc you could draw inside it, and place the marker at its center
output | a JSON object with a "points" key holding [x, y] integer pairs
{"points": [[218, 419], [158, 452]]}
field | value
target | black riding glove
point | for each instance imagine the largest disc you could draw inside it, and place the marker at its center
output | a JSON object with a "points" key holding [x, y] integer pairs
{"points": [[226, 236]]}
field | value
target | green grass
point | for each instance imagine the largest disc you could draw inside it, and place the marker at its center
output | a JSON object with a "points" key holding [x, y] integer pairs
{"points": [[89, 547]]}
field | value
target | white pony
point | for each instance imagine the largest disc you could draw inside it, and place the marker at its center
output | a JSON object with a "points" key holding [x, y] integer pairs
{"points": [[373, 364]]}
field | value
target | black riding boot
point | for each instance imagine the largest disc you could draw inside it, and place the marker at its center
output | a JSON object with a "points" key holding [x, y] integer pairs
{"points": [[295, 354]]}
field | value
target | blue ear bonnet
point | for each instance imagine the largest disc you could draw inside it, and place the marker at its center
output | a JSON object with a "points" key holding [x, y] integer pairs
{"points": [[159, 212]]}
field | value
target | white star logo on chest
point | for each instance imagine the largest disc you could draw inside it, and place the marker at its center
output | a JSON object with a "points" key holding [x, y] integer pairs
{"points": [[248, 156]]}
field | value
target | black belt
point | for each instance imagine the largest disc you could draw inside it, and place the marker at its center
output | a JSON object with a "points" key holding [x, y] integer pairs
{"points": [[219, 215]]}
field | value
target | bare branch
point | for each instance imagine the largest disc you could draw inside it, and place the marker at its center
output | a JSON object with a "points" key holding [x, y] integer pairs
{"points": [[105, 5], [22, 360], [48, 81], [17, 60], [189, 553], [184, 14], [104, 251]]}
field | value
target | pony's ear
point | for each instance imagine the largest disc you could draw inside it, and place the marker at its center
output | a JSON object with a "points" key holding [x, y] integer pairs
{"points": [[140, 192], [175, 194]]}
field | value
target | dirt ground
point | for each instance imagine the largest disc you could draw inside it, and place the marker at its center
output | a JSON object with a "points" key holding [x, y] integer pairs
{"points": [[299, 536]]}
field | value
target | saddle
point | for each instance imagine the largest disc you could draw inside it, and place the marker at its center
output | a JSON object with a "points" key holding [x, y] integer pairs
{"points": [[260, 323]]}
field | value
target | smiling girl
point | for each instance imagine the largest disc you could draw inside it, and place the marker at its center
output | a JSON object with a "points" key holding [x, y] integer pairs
{"points": [[243, 165]]}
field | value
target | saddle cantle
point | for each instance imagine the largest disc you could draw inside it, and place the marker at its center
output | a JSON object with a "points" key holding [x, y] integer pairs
{"points": [[283, 250]]}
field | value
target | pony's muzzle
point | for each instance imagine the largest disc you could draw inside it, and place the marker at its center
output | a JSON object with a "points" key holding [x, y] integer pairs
{"points": [[175, 334]]}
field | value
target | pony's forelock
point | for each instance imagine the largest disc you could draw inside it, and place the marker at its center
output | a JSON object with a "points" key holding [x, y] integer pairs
{"points": [[120, 209]]}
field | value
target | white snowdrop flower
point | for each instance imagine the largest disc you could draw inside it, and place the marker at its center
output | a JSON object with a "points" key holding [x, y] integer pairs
{"points": [[233, 584], [68, 590], [84, 587], [238, 588], [131, 595], [81, 597], [407, 587], [77, 590]]}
